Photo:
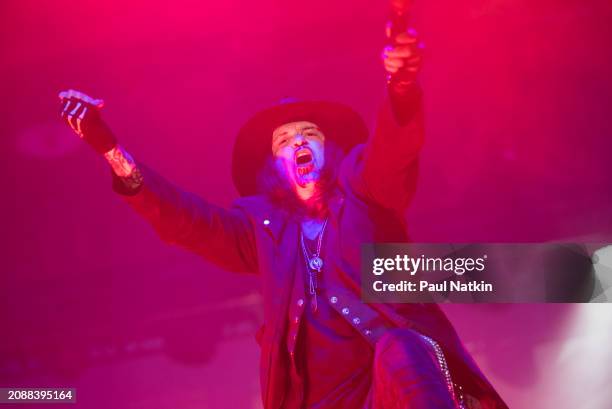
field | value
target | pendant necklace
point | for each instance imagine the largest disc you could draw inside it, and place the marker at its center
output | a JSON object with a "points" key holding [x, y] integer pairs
{"points": [[314, 264]]}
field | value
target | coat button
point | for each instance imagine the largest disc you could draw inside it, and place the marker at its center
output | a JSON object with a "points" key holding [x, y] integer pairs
{"points": [[345, 311], [333, 300], [356, 320], [300, 302], [266, 222], [367, 332]]}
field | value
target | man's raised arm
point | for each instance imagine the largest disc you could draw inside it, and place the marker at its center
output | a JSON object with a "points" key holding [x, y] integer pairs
{"points": [[224, 237], [386, 170]]}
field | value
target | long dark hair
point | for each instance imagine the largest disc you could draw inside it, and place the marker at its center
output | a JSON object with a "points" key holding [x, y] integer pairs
{"points": [[277, 188]]}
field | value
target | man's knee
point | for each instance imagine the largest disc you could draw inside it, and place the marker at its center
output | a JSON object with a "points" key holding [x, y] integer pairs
{"points": [[402, 343], [408, 373]]}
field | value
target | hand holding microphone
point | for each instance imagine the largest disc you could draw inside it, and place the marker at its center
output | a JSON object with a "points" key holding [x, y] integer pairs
{"points": [[402, 58]]}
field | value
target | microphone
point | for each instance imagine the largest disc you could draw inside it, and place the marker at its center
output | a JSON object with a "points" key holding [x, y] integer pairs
{"points": [[399, 18]]}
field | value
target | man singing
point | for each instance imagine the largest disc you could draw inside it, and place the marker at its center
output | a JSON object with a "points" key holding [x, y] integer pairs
{"points": [[313, 188]]}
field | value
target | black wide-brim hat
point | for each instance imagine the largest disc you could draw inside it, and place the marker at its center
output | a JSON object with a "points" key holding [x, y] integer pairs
{"points": [[338, 122]]}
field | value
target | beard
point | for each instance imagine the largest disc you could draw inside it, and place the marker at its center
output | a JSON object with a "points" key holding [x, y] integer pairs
{"points": [[276, 186], [304, 177], [280, 189]]}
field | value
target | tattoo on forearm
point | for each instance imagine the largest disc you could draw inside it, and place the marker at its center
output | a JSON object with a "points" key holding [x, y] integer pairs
{"points": [[122, 163], [124, 166]]}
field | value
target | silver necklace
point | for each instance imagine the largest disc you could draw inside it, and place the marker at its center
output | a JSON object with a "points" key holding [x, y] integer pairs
{"points": [[314, 264]]}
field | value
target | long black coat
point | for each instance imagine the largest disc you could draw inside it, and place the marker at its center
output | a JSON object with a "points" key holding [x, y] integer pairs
{"points": [[376, 182]]}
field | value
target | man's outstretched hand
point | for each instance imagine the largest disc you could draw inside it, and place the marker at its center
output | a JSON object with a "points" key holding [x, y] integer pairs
{"points": [[82, 113], [402, 58]]}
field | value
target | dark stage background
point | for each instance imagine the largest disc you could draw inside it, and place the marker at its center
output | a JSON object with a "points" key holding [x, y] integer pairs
{"points": [[518, 146]]}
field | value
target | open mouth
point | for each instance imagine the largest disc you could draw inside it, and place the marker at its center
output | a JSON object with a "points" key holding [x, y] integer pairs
{"points": [[304, 161], [303, 157]]}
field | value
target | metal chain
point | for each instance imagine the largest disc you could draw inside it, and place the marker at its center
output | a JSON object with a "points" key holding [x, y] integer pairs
{"points": [[458, 397], [312, 278]]}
